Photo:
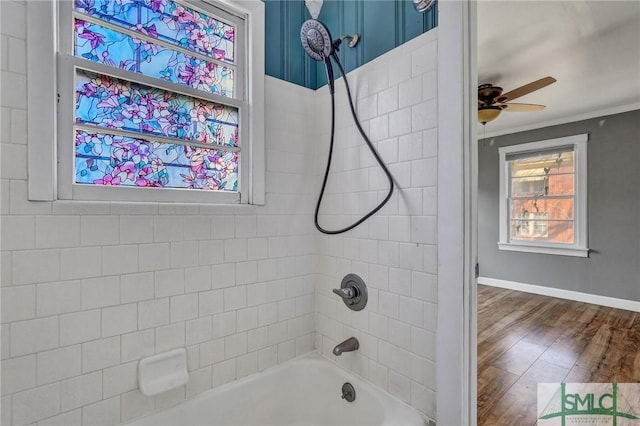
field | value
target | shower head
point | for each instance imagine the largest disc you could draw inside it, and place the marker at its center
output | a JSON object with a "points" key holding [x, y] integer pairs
{"points": [[423, 5], [316, 40]]}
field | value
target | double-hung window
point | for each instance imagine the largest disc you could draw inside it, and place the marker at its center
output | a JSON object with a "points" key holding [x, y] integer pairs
{"points": [[543, 197], [154, 101]]}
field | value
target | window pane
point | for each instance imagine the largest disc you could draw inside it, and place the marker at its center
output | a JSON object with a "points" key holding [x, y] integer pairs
{"points": [[550, 173], [167, 21], [537, 229], [112, 103], [555, 208], [99, 44], [103, 159]]}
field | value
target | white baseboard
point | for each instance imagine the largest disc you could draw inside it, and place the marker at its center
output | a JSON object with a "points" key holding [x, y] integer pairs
{"points": [[611, 302]]}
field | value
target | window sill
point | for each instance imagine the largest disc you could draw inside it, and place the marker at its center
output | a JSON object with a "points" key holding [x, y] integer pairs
{"points": [[560, 251]]}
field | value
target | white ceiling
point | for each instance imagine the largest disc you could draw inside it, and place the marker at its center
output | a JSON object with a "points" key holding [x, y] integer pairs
{"points": [[591, 47]]}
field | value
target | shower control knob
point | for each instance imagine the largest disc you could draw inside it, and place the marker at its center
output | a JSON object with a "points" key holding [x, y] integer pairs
{"points": [[353, 292]]}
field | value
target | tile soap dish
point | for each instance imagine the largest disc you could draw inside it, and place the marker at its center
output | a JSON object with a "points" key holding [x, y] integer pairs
{"points": [[162, 372]]}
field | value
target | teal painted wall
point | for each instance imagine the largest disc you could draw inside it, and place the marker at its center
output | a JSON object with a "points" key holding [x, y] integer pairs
{"points": [[381, 24]]}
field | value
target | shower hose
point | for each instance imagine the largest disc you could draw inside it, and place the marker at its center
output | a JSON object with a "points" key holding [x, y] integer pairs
{"points": [[371, 147]]}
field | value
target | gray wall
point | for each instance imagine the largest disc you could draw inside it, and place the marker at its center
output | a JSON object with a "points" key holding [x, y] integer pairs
{"points": [[613, 267]]}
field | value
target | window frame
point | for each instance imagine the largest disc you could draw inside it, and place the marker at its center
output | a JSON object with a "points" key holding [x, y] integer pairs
{"points": [[579, 248], [50, 103]]}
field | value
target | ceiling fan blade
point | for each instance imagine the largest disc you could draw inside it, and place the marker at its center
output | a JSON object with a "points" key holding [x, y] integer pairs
{"points": [[526, 89], [515, 107]]}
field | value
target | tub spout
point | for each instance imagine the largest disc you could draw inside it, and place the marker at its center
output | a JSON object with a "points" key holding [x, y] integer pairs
{"points": [[351, 344]]}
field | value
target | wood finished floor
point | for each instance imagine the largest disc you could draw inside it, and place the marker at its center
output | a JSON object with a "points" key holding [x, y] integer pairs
{"points": [[525, 339]]}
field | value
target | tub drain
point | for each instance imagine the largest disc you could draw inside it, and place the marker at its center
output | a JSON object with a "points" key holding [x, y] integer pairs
{"points": [[348, 392]]}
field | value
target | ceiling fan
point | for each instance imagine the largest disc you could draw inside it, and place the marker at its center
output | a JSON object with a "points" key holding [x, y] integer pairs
{"points": [[491, 100]]}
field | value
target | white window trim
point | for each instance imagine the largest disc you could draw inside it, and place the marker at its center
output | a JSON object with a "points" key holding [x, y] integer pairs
{"points": [[42, 112], [580, 246]]}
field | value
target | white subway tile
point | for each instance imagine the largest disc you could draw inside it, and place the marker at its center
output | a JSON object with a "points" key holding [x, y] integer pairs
{"points": [[184, 307], [13, 158], [223, 324], [18, 232], [34, 336], [423, 399], [100, 354], [197, 279], [247, 365], [222, 227], [387, 100], [136, 229], [212, 352], [378, 374], [399, 386], [411, 256], [247, 319], [154, 313], [411, 311], [224, 372], [424, 59], [169, 283], [119, 319], [118, 260], [138, 345], [5, 344], [18, 303], [81, 390], [13, 18], [235, 298], [258, 338], [184, 254], [210, 302], [168, 228], [99, 230], [400, 334], [79, 327], [59, 364], [197, 228], [58, 298], [198, 330], [134, 404], [57, 231], [80, 263], [136, 287], [35, 404], [170, 337], [199, 381], [100, 292], [424, 115], [235, 345], [245, 226], [223, 276], [388, 355], [210, 252], [18, 374], [246, 272], [235, 250], [267, 358], [119, 379], [423, 343], [103, 413], [154, 257], [23, 270], [70, 418]]}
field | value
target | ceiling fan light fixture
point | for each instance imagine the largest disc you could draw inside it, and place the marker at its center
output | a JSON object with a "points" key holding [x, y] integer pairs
{"points": [[488, 113]]}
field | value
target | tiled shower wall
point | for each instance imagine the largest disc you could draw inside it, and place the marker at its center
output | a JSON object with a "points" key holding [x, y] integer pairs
{"points": [[89, 288], [395, 251]]}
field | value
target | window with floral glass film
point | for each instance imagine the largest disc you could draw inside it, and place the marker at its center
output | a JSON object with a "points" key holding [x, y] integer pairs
{"points": [[156, 96], [542, 198]]}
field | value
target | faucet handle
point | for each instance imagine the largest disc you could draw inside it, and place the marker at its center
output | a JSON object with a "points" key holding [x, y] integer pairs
{"points": [[347, 294]]}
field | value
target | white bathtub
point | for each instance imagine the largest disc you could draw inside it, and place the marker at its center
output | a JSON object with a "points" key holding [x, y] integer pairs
{"points": [[304, 391]]}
